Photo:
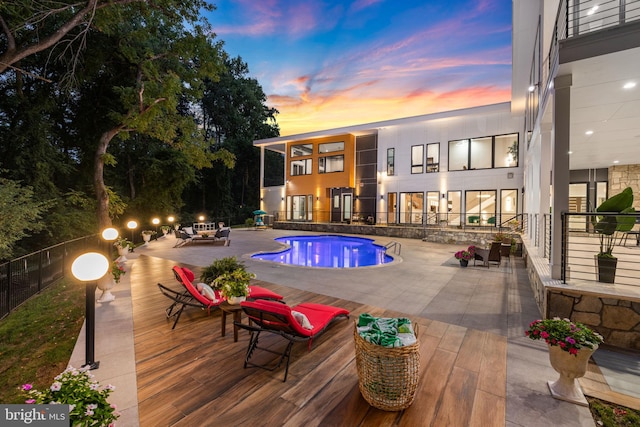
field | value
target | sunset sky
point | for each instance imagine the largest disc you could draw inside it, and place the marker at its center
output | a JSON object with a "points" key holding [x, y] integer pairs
{"points": [[327, 64]]}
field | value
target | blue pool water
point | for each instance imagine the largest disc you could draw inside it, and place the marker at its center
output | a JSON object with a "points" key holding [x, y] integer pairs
{"points": [[328, 251]]}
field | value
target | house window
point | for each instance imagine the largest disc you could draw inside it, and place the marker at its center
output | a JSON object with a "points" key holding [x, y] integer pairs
{"points": [[417, 159], [481, 207], [301, 150], [331, 164], [433, 207], [301, 167], [506, 151], [454, 208], [330, 147], [433, 157], [411, 208], [483, 153], [391, 161]]}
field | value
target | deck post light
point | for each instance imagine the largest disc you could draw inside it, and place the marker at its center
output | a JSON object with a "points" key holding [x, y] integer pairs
{"points": [[132, 225], [155, 222], [88, 268]]}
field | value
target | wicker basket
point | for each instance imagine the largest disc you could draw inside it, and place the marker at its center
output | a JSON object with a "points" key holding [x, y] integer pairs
{"points": [[387, 377]]}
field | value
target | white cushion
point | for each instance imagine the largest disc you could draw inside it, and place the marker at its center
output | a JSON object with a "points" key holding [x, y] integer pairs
{"points": [[207, 291], [302, 319], [188, 230]]}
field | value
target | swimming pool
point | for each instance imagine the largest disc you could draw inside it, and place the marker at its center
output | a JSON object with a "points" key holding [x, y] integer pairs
{"points": [[329, 251]]}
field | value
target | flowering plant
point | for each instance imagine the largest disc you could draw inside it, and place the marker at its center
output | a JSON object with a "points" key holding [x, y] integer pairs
{"points": [[123, 243], [466, 255], [234, 283], [149, 232], [88, 404], [117, 270], [568, 335]]}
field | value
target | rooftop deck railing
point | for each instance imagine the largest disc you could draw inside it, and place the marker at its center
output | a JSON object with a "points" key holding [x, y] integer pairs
{"points": [[23, 277], [581, 244]]}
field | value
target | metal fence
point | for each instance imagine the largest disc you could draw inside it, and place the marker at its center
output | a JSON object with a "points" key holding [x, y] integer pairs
{"points": [[23, 277], [581, 244]]}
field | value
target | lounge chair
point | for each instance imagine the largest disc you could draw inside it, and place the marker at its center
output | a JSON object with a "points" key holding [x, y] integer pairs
{"points": [[182, 238], [191, 297], [488, 255], [280, 319]]}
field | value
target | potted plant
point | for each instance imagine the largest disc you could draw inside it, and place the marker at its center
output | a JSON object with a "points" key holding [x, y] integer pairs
{"points": [[123, 245], [607, 228], [571, 344], [147, 234], [107, 282], [234, 285], [465, 255], [219, 267], [165, 229], [88, 404]]}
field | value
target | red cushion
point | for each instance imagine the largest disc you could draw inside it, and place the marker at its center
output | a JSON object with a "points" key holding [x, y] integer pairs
{"points": [[258, 292], [189, 274], [192, 289]]}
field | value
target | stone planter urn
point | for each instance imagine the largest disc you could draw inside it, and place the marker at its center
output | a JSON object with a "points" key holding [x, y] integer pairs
{"points": [[236, 300], [105, 284], [123, 251], [146, 238], [569, 367]]}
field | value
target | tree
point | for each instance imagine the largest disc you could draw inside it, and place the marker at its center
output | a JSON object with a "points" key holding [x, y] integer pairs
{"points": [[20, 214], [30, 27], [234, 115]]}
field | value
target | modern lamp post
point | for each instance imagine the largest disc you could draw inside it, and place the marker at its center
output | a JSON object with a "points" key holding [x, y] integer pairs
{"points": [[110, 235], [155, 222], [132, 225], [171, 219], [89, 268]]}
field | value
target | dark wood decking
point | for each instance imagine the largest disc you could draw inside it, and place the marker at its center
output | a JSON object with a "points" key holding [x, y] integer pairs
{"points": [[191, 376]]}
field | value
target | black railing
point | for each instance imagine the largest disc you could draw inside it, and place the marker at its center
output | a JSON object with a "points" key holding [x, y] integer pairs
{"points": [[581, 244], [23, 277]]}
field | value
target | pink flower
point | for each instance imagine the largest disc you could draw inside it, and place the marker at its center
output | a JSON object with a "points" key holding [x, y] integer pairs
{"points": [[573, 351], [30, 401], [27, 387], [544, 334], [56, 386]]}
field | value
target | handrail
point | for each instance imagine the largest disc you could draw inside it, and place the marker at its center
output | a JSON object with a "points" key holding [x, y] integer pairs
{"points": [[397, 247]]}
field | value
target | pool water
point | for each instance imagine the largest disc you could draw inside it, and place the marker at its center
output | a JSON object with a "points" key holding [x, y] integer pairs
{"points": [[328, 251]]}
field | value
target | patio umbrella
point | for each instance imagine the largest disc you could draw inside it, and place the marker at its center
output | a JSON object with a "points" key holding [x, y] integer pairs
{"points": [[259, 212]]}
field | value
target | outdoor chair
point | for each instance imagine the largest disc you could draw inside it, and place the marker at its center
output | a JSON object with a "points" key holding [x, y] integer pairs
{"points": [[182, 238], [302, 322], [488, 255], [191, 297]]}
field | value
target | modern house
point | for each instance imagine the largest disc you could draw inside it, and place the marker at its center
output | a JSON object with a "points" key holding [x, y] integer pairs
{"points": [[569, 138], [462, 167]]}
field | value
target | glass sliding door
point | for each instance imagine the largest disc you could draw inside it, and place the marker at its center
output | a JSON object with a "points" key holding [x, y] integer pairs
{"points": [[411, 208], [454, 207], [433, 207], [578, 203], [392, 212]]}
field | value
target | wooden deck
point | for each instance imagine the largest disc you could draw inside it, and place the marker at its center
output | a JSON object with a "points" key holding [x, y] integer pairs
{"points": [[191, 376]]}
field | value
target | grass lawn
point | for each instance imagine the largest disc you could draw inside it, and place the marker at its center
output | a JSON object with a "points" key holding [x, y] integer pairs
{"points": [[37, 340]]}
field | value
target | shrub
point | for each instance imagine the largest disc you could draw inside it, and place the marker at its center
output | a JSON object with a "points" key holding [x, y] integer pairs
{"points": [[220, 267]]}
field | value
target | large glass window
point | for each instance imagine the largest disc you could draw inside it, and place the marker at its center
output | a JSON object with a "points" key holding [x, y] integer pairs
{"points": [[301, 150], [454, 199], [481, 149], [331, 164], [483, 153], [299, 208], [481, 207], [411, 208], [433, 207], [458, 155], [417, 159], [330, 147], [391, 161], [301, 167], [433, 157], [506, 151], [508, 205]]}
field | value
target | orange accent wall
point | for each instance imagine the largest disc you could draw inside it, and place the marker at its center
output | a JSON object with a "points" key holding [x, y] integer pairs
{"points": [[319, 183]]}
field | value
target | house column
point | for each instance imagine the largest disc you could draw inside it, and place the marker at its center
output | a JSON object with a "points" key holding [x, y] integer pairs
{"points": [[544, 181], [560, 167]]}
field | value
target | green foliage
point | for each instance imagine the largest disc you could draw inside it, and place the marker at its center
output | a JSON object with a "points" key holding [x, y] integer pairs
{"points": [[21, 213], [219, 267], [234, 283], [249, 222], [607, 227], [38, 338], [568, 335], [611, 415]]}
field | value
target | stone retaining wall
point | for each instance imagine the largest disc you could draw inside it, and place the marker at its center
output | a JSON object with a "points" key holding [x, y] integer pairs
{"points": [[428, 234], [617, 320]]}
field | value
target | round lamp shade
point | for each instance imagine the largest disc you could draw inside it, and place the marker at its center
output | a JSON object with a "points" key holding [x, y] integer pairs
{"points": [[109, 234], [171, 219], [89, 266], [155, 221], [132, 224]]}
